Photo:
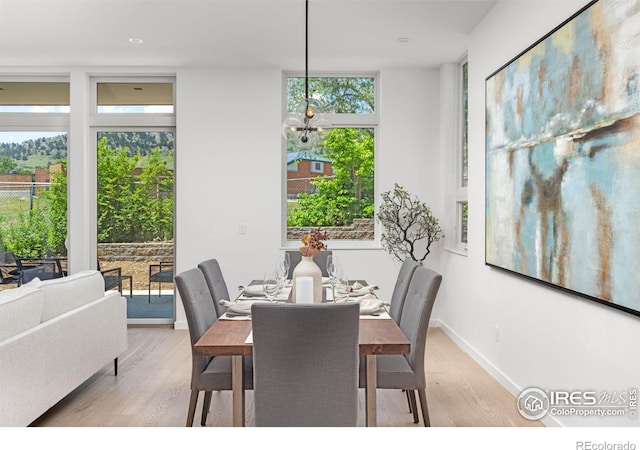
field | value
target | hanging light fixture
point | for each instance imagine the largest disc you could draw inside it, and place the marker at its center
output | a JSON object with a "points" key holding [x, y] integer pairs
{"points": [[303, 128]]}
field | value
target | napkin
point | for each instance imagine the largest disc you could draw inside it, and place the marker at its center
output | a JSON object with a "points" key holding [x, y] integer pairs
{"points": [[358, 289], [371, 306], [255, 290], [237, 309]]}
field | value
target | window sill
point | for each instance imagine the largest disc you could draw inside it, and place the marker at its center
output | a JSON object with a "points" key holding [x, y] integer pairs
{"points": [[338, 245], [457, 251]]}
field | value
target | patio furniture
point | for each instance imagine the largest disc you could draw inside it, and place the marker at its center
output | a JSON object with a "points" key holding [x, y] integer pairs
{"points": [[113, 277], [160, 273], [9, 271]]}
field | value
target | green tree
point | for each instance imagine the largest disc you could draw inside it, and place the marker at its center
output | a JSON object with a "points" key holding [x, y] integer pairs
{"points": [[7, 164], [349, 193]]}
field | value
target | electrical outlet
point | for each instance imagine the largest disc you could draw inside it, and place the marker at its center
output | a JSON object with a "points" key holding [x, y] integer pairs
{"points": [[242, 228], [496, 333]]}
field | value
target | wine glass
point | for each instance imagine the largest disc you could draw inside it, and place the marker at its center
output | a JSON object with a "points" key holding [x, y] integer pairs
{"points": [[285, 263], [331, 268], [270, 285], [341, 290]]}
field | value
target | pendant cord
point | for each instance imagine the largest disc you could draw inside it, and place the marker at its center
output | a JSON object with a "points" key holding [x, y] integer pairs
{"points": [[306, 51]]}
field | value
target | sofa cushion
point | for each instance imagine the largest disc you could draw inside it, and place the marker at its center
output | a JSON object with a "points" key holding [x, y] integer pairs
{"points": [[20, 309], [67, 293]]}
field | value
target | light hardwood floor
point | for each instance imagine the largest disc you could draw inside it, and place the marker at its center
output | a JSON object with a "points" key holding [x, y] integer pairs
{"points": [[152, 390]]}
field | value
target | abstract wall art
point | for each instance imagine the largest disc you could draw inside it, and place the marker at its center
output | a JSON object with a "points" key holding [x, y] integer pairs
{"points": [[563, 157]]}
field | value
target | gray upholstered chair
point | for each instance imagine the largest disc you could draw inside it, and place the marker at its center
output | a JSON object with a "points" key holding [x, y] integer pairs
{"points": [[319, 258], [407, 371], [217, 286], [401, 287], [305, 362], [208, 373]]}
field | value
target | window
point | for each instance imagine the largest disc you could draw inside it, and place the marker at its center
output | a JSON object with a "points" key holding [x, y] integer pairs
{"points": [[34, 97], [134, 130], [34, 121], [333, 186], [463, 205], [136, 97], [317, 167], [454, 113]]}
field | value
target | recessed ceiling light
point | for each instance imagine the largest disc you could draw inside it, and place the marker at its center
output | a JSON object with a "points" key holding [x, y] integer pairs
{"points": [[135, 40], [403, 40]]}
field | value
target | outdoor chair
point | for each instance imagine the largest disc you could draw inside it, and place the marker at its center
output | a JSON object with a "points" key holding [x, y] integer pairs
{"points": [[160, 273], [42, 268], [9, 271], [114, 278]]}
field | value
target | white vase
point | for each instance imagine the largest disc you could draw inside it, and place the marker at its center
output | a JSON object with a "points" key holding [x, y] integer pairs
{"points": [[308, 268]]}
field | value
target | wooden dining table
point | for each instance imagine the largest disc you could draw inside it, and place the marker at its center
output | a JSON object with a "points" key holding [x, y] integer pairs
{"points": [[378, 336]]}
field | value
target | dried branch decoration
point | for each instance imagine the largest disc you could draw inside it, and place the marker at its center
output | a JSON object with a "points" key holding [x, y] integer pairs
{"points": [[406, 220], [312, 242]]}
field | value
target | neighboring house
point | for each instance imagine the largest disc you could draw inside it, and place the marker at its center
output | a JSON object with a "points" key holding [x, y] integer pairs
{"points": [[302, 167], [22, 182]]}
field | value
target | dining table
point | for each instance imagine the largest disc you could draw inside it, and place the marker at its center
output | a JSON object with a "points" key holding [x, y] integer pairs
{"points": [[378, 335]]}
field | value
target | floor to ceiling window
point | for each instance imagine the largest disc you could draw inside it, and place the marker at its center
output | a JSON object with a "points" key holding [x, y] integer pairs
{"points": [[33, 186], [134, 141]]}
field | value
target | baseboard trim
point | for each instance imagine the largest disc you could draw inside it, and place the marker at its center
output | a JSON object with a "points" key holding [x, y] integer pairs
{"points": [[496, 373]]}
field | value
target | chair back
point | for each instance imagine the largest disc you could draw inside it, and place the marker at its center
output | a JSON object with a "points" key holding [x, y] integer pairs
{"points": [[416, 312], [319, 258], [305, 364], [401, 287], [198, 307], [215, 281]]}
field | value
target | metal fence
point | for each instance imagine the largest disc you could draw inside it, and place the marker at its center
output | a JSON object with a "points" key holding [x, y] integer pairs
{"points": [[297, 186], [18, 197]]}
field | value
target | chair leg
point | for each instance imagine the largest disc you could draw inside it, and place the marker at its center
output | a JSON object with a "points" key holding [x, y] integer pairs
{"points": [[408, 399], [205, 407], [414, 408], [115, 366], [423, 404], [192, 407]]}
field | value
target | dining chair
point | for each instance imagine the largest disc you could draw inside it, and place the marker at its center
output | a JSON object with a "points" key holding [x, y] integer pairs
{"points": [[319, 258], [400, 289], [217, 285], [407, 372], [208, 373], [305, 364]]}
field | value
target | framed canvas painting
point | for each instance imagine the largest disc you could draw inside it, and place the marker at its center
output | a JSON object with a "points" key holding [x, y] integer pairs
{"points": [[563, 158]]}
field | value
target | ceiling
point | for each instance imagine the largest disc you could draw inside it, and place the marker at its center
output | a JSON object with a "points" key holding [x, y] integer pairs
{"points": [[343, 35]]}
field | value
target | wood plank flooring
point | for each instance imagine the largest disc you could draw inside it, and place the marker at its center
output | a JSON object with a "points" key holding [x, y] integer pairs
{"points": [[152, 390]]}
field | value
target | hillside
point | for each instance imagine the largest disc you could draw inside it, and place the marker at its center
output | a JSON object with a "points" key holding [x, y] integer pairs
{"points": [[42, 151]]}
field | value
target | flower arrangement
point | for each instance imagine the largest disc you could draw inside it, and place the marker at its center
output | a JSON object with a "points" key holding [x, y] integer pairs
{"points": [[312, 242]]}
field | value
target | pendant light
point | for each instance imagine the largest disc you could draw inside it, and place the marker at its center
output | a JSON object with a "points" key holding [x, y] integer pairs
{"points": [[303, 128]]}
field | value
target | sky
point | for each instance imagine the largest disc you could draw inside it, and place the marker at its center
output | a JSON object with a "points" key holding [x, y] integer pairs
{"points": [[21, 136]]}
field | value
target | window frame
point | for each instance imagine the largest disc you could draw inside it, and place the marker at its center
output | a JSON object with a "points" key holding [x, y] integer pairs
{"points": [[454, 129], [338, 120]]}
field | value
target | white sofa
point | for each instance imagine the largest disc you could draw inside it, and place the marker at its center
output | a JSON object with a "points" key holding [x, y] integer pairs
{"points": [[54, 335]]}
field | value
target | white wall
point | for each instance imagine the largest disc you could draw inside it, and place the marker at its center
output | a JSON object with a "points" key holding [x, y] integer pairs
{"points": [[229, 166], [548, 339]]}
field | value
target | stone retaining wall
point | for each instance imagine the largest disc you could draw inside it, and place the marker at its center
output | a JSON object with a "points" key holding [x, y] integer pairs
{"points": [[137, 251], [361, 229]]}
